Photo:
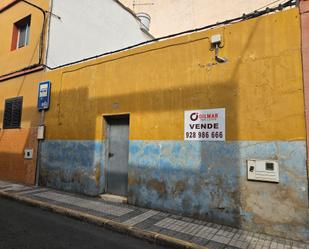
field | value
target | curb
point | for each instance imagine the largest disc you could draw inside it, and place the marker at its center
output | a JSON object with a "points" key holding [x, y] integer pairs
{"points": [[154, 237]]}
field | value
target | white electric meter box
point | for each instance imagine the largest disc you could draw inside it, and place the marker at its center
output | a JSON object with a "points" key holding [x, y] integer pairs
{"points": [[28, 153], [41, 132], [263, 170]]}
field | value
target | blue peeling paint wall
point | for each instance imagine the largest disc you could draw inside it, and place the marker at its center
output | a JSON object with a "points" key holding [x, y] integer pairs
{"points": [[209, 180], [205, 180], [74, 166]]}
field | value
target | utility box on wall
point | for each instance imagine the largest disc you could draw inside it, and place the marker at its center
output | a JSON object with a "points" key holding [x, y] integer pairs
{"points": [[263, 170], [41, 129], [28, 153]]}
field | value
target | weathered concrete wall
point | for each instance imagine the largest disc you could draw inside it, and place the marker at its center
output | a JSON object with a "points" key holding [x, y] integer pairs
{"points": [[72, 165], [262, 90], [209, 180]]}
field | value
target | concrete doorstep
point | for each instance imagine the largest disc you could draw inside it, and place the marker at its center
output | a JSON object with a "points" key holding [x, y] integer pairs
{"points": [[155, 226]]}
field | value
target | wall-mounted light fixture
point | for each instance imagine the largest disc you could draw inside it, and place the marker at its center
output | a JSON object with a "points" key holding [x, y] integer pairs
{"points": [[216, 40]]}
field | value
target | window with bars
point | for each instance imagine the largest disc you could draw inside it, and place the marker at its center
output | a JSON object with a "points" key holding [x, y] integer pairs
{"points": [[12, 113]]}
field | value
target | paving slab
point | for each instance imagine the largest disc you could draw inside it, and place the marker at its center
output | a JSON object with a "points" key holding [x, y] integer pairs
{"points": [[160, 227]]}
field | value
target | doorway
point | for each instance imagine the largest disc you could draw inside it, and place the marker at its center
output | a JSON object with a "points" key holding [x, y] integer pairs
{"points": [[117, 154]]}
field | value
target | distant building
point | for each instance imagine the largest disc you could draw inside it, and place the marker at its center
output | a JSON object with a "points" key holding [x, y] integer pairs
{"points": [[173, 16], [80, 29]]}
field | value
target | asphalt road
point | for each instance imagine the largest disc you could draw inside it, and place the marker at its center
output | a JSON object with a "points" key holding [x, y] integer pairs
{"points": [[23, 227]]}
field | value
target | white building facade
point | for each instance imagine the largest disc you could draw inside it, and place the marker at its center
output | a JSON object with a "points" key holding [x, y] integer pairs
{"points": [[81, 29], [173, 16]]}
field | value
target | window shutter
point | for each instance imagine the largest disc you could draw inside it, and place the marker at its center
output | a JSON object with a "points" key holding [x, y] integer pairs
{"points": [[12, 113], [7, 114], [16, 112]]}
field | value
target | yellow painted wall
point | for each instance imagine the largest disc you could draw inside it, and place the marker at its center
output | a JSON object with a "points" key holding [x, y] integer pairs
{"points": [[260, 86], [11, 61], [13, 166]]}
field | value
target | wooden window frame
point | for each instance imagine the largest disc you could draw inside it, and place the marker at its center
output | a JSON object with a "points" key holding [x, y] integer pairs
{"points": [[17, 26]]}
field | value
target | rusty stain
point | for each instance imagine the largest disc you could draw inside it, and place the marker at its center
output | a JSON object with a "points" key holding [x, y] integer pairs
{"points": [[282, 209], [159, 186], [186, 203], [97, 174], [76, 176], [180, 186], [133, 179], [197, 188]]}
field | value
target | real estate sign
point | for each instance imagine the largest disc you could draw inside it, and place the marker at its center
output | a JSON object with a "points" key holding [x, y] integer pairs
{"points": [[205, 125]]}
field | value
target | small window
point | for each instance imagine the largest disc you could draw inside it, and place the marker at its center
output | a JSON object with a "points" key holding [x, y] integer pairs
{"points": [[21, 32], [12, 113]]}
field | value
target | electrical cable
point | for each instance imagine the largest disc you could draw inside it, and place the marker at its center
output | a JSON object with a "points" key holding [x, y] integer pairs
{"points": [[43, 27], [269, 4], [251, 15], [248, 16]]}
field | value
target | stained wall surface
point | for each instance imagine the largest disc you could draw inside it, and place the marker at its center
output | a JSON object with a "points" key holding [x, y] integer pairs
{"points": [[13, 142], [261, 88]]}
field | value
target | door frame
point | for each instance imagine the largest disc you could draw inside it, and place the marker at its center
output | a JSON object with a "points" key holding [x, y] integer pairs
{"points": [[107, 141]]}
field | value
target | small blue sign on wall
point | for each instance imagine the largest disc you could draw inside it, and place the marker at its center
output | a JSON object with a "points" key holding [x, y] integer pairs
{"points": [[44, 95]]}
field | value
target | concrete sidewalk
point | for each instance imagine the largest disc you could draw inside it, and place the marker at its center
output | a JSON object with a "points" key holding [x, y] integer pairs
{"points": [[162, 228]]}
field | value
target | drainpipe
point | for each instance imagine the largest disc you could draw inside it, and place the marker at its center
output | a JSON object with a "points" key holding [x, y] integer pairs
{"points": [[303, 10], [48, 30], [41, 127]]}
